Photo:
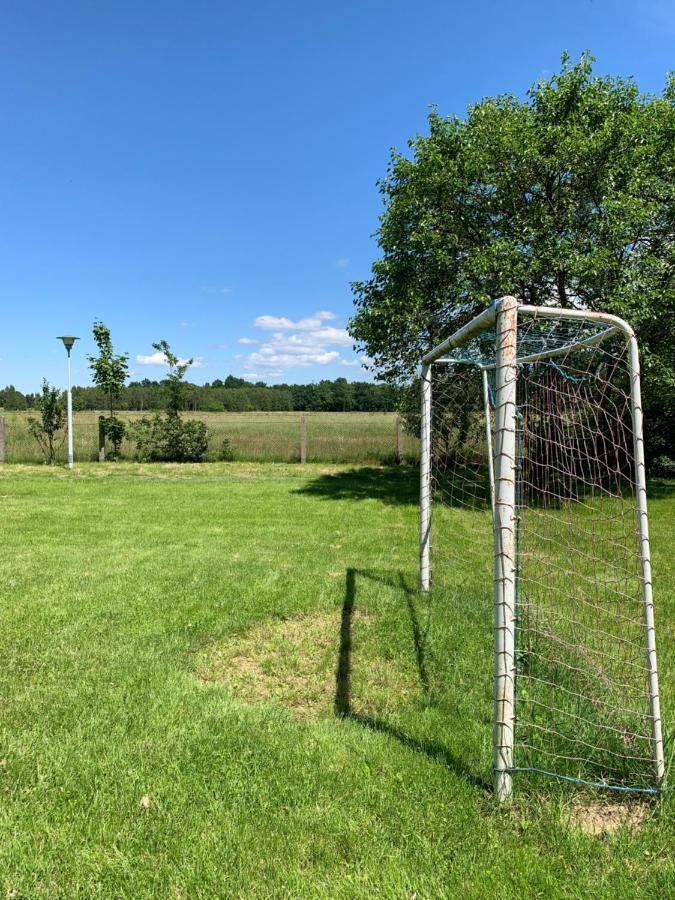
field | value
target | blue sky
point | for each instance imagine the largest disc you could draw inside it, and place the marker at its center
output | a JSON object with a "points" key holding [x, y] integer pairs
{"points": [[205, 172]]}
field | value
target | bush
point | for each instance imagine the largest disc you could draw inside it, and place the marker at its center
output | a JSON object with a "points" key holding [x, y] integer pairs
{"points": [[114, 430], [52, 420], [226, 451], [169, 439]]}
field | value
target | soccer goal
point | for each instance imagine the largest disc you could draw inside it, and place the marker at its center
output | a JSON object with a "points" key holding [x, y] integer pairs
{"points": [[532, 455]]}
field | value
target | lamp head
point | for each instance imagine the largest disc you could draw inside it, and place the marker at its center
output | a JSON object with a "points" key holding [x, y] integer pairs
{"points": [[68, 341]]}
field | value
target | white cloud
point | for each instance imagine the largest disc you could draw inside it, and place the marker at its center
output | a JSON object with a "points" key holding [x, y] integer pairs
{"points": [[159, 359], [249, 375], [277, 357], [297, 344], [281, 323], [154, 359], [343, 262]]}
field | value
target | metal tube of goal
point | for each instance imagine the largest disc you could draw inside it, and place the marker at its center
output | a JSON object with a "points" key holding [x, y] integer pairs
{"points": [[425, 478], [505, 540], [645, 560]]}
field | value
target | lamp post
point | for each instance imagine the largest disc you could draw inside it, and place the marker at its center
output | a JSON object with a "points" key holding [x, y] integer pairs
{"points": [[68, 341]]}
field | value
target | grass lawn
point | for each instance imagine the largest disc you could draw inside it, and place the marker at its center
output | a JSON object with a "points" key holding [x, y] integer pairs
{"points": [[220, 681]]}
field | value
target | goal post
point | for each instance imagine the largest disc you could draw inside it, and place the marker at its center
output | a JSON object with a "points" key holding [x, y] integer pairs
{"points": [[504, 523], [531, 428]]}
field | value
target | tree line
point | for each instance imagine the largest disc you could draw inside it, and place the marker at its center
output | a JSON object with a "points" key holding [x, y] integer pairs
{"points": [[226, 395], [166, 436]]}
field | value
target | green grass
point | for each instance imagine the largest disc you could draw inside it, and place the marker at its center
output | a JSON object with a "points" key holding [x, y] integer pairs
{"points": [[254, 436], [138, 602]]}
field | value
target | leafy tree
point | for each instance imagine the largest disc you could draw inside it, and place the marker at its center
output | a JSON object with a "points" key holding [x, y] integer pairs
{"points": [[109, 372], [342, 395], [11, 399], [52, 420], [232, 382], [565, 198], [168, 437], [174, 382]]}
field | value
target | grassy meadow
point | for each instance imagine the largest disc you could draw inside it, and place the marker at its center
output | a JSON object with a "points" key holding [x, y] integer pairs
{"points": [[221, 681], [254, 436]]}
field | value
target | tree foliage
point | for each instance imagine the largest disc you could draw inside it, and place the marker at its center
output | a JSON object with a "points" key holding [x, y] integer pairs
{"points": [[11, 399], [230, 394], [109, 371], [168, 437], [174, 383], [564, 198], [52, 420]]}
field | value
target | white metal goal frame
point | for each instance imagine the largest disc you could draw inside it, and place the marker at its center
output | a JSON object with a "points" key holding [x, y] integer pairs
{"points": [[499, 374]]}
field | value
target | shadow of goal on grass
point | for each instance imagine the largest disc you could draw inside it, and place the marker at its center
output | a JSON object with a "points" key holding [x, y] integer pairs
{"points": [[393, 486], [343, 706]]}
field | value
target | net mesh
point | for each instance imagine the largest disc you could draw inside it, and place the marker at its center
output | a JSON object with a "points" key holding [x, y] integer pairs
{"points": [[582, 708]]}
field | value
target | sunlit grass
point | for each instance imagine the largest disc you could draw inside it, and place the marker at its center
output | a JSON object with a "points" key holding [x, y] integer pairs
{"points": [[136, 761]]}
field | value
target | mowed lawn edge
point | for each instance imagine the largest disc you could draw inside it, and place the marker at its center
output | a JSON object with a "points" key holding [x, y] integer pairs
{"points": [[125, 773]]}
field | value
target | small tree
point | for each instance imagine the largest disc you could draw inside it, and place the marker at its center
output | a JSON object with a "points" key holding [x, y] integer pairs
{"points": [[168, 438], [109, 372], [52, 420], [175, 386]]}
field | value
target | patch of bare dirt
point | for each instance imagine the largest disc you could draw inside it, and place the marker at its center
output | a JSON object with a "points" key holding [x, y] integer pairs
{"points": [[599, 818]]}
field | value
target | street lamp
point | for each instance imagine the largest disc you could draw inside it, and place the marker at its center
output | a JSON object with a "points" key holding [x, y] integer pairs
{"points": [[68, 341]]}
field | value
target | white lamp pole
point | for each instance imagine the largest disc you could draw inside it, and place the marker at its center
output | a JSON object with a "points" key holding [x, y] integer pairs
{"points": [[68, 341]]}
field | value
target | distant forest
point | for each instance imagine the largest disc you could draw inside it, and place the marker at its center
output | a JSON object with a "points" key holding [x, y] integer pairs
{"points": [[231, 395]]}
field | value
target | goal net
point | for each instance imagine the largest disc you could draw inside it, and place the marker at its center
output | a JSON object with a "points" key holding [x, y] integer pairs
{"points": [[532, 471]]}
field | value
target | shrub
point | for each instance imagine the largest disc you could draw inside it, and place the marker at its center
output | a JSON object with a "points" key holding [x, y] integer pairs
{"points": [[226, 451], [114, 430], [169, 439], [52, 420]]}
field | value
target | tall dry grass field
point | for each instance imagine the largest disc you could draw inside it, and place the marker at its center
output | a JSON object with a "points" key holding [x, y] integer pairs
{"points": [[257, 436]]}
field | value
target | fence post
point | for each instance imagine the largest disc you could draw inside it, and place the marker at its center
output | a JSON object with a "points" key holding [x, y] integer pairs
{"points": [[2, 439], [303, 439], [101, 439], [399, 441]]}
